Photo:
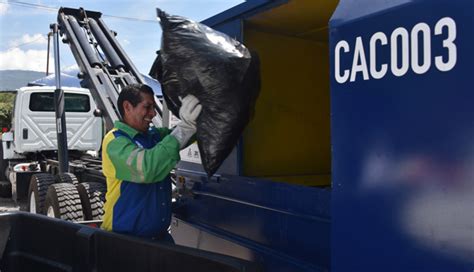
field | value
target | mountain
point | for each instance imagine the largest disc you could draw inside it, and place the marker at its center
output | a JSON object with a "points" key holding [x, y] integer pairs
{"points": [[14, 79]]}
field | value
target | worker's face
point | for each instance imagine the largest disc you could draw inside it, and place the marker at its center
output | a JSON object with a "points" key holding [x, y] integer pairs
{"points": [[139, 117]]}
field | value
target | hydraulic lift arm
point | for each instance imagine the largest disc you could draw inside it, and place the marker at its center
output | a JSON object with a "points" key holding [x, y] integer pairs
{"points": [[105, 68]]}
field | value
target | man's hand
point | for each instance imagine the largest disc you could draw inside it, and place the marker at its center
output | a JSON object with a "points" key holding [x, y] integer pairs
{"points": [[188, 113], [190, 110]]}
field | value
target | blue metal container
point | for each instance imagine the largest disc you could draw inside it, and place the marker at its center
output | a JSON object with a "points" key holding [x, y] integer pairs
{"points": [[402, 135], [385, 182], [270, 201]]}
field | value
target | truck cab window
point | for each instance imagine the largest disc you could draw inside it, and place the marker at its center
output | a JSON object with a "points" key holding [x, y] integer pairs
{"points": [[73, 102]]}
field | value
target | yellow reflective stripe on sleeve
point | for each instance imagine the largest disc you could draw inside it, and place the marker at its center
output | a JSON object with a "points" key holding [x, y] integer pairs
{"points": [[132, 156], [133, 170], [140, 157]]}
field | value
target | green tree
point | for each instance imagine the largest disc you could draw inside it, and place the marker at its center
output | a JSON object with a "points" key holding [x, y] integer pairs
{"points": [[6, 108]]}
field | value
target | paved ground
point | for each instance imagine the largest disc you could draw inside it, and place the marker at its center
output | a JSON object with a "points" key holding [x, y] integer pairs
{"points": [[7, 204]]}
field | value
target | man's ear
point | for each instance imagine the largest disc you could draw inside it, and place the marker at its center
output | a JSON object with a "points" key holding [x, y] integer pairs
{"points": [[127, 106]]}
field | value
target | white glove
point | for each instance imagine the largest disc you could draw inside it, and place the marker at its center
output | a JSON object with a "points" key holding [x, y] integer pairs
{"points": [[183, 133], [190, 110], [188, 113]]}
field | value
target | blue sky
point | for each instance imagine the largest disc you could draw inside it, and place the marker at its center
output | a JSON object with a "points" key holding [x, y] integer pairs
{"points": [[24, 25]]}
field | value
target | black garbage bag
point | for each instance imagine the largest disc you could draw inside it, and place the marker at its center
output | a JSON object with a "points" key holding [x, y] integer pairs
{"points": [[220, 71]]}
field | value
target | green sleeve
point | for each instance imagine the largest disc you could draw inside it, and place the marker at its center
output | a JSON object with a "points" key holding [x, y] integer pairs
{"points": [[166, 131], [140, 165], [163, 132]]}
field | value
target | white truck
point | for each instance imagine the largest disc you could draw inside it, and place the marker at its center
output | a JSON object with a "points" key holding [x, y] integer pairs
{"points": [[29, 160], [52, 167]]}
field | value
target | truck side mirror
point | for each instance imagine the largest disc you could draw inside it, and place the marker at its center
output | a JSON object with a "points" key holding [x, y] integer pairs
{"points": [[97, 113]]}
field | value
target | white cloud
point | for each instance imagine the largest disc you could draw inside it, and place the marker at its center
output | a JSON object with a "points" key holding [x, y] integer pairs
{"points": [[125, 42], [3, 8], [73, 67], [16, 58], [35, 39]]}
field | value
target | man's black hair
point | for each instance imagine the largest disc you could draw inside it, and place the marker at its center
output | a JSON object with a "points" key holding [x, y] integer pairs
{"points": [[131, 93]]}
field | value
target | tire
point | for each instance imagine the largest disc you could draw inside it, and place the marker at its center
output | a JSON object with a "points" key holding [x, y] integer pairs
{"points": [[63, 202], [92, 199], [39, 184], [67, 178], [5, 189]]}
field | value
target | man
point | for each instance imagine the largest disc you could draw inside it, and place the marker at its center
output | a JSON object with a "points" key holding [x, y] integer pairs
{"points": [[137, 159]]}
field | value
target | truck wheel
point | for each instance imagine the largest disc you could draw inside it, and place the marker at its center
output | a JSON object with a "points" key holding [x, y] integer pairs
{"points": [[63, 202], [39, 184], [67, 178], [5, 189], [92, 199]]}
